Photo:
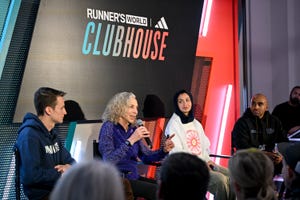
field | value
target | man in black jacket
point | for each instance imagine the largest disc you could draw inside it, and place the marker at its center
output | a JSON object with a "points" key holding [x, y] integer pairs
{"points": [[289, 112], [258, 128]]}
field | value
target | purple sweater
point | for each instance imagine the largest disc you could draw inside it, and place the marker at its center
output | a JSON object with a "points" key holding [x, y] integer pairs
{"points": [[112, 146]]}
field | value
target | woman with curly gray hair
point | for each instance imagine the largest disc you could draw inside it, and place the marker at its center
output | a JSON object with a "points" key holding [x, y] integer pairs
{"points": [[117, 106], [120, 143], [251, 175]]}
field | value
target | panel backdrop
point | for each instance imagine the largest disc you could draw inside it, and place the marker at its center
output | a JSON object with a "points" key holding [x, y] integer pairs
{"points": [[93, 49]]}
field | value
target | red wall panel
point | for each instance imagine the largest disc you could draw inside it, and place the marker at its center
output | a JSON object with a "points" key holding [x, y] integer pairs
{"points": [[221, 43]]}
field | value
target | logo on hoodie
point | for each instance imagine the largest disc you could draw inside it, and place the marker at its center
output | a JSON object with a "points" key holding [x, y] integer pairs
{"points": [[52, 149]]}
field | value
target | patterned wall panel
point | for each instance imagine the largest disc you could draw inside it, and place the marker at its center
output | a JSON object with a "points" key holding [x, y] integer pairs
{"points": [[9, 89]]}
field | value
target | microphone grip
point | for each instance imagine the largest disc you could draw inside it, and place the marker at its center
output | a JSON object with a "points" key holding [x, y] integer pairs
{"points": [[148, 141], [139, 123]]}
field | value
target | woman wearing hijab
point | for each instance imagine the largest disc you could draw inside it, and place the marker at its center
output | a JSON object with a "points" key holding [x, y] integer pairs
{"points": [[190, 137]]}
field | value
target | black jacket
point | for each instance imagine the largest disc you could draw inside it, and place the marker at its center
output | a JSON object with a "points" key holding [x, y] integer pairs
{"points": [[251, 131]]}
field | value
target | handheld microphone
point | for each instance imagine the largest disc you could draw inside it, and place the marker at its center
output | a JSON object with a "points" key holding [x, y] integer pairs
{"points": [[139, 123]]}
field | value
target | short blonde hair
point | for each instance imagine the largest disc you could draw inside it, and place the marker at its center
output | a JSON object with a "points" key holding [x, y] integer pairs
{"points": [[253, 171], [116, 106]]}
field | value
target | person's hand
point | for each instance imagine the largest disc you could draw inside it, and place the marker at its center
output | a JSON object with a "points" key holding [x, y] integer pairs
{"points": [[211, 165], [62, 168], [169, 145], [139, 133], [275, 157]]}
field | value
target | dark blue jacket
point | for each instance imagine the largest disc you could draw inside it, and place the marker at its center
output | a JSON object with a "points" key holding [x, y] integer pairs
{"points": [[40, 151]]}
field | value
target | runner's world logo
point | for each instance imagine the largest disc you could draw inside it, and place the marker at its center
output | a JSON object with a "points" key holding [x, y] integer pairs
{"points": [[136, 20], [116, 34]]}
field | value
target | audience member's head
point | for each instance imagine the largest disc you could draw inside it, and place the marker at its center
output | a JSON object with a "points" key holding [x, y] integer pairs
{"points": [[291, 165], [93, 180], [251, 175], [183, 176]]}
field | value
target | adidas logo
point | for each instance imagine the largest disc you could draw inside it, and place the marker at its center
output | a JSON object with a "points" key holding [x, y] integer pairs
{"points": [[162, 24]]}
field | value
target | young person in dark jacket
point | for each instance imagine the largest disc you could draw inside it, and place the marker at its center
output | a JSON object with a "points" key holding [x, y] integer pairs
{"points": [[43, 157], [120, 143], [258, 128]]}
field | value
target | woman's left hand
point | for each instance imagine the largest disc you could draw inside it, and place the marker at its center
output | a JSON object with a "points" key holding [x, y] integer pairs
{"points": [[169, 145]]}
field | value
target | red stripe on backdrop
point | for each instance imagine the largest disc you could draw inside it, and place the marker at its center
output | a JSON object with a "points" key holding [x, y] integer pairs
{"points": [[221, 44]]}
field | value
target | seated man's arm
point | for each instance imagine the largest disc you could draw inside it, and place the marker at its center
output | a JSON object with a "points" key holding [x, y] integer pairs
{"points": [[241, 135]]}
